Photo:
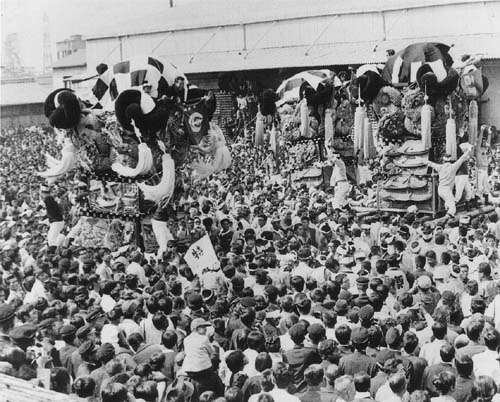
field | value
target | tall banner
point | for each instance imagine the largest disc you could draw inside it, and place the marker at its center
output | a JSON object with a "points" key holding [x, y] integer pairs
{"points": [[201, 255]]}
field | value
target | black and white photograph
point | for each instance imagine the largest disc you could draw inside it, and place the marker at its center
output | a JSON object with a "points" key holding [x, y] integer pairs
{"points": [[250, 201]]}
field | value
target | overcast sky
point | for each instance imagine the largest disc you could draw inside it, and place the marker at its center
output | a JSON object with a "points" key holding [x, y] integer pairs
{"points": [[66, 17]]}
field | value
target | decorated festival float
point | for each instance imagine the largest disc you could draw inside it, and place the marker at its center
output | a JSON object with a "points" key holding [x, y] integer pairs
{"points": [[146, 134], [387, 121], [132, 148], [305, 104]]}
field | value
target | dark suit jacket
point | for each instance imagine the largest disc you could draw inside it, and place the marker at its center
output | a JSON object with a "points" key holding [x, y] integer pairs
{"points": [[144, 353], [298, 359], [168, 369], [431, 372], [419, 364], [463, 389], [356, 362], [65, 356], [386, 354]]}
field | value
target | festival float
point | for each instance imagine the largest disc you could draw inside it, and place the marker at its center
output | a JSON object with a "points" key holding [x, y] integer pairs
{"points": [[307, 106], [132, 148], [386, 121]]}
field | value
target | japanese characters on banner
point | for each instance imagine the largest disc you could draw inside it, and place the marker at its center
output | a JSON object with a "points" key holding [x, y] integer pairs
{"points": [[201, 256]]}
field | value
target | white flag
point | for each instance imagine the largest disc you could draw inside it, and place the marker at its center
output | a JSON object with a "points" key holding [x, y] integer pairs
{"points": [[201, 255]]}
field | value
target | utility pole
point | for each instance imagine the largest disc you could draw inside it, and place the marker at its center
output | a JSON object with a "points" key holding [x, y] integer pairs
{"points": [[47, 45]]}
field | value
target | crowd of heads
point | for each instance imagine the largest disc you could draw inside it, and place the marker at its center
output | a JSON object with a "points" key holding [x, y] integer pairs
{"points": [[308, 302]]}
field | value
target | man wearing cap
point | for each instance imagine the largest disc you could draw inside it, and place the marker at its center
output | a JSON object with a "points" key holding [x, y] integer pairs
{"points": [[84, 335], [361, 288], [447, 172], [23, 335], [358, 361], [67, 334], [54, 214], [425, 294], [197, 362]]}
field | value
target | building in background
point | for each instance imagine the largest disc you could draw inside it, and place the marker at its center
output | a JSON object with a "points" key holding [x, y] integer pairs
{"points": [[21, 103], [263, 41], [68, 68], [69, 46]]}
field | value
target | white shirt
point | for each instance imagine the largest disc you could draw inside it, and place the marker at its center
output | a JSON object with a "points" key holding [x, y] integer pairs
{"points": [[302, 270], [105, 273], [250, 369], [385, 394], [129, 327], [37, 291], [339, 172], [109, 334], [278, 394], [310, 319], [135, 269], [431, 351], [486, 363], [198, 350], [149, 331], [107, 303], [286, 342]]}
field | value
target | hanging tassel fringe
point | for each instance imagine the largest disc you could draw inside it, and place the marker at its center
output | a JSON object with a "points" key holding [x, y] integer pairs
{"points": [[259, 130], [273, 140], [144, 163], [59, 167], [451, 138], [329, 129], [304, 119], [473, 122], [359, 119], [369, 150], [165, 188], [425, 124]]}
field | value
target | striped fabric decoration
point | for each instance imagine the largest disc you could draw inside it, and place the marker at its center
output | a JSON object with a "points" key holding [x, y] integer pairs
{"points": [[403, 66], [134, 73], [289, 88]]}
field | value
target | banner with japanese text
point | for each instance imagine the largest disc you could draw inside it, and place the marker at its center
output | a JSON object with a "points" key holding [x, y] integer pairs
{"points": [[201, 255]]}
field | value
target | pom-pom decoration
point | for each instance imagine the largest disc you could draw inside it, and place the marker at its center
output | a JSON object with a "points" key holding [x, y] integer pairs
{"points": [[143, 166], [59, 167], [451, 135], [163, 191]]}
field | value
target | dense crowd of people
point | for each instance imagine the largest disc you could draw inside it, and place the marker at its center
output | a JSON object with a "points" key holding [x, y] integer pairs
{"points": [[309, 302]]}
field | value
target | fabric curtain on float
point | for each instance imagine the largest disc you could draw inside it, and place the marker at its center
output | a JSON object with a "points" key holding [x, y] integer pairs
{"points": [[359, 120], [289, 89]]}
